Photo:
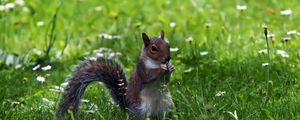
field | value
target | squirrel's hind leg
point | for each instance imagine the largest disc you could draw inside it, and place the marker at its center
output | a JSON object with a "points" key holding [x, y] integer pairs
{"points": [[136, 112]]}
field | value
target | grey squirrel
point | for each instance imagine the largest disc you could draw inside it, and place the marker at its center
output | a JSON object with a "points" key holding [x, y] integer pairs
{"points": [[145, 94]]}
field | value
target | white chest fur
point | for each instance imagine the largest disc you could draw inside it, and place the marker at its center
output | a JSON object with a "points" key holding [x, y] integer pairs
{"points": [[156, 99], [149, 63]]}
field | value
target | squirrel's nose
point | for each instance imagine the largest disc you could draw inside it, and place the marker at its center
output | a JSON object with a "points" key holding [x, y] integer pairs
{"points": [[167, 60]]}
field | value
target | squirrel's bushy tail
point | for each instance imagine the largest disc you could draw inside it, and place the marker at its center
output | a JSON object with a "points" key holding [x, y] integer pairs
{"points": [[105, 71]]}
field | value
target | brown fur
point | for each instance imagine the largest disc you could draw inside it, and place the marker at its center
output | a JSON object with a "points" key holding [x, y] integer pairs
{"points": [[143, 76], [144, 82]]}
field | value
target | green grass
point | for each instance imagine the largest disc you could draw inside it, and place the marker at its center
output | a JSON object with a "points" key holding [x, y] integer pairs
{"points": [[231, 37]]}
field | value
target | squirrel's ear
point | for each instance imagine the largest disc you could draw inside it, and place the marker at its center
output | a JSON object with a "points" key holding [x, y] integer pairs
{"points": [[146, 39], [162, 34]]}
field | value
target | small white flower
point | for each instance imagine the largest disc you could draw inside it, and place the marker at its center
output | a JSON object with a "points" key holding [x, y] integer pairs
{"points": [[92, 58], [2, 7], [48, 67], [36, 67], [172, 24], [292, 32], [20, 2], [174, 49], [265, 64], [99, 54], [114, 54], [103, 49], [234, 115], [298, 33], [286, 12], [106, 36], [63, 85], [271, 35], [189, 39], [220, 93], [9, 6], [282, 53], [40, 79], [241, 7], [18, 66], [265, 51], [57, 89], [286, 39], [204, 53], [47, 102], [40, 23], [207, 25], [9, 60]]}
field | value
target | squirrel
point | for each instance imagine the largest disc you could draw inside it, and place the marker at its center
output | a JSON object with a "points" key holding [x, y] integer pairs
{"points": [[144, 95]]}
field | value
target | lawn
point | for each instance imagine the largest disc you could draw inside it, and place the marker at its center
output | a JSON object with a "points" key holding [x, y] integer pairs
{"points": [[234, 59]]}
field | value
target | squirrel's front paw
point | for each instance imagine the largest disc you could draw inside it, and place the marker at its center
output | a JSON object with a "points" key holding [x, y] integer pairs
{"points": [[171, 68], [164, 67]]}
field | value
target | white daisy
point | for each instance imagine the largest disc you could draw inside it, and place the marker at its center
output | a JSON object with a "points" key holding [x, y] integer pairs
{"points": [[174, 49], [282, 53], [204, 53], [40, 23], [92, 58], [48, 67], [265, 64], [57, 89], [265, 51], [286, 12], [172, 24], [291, 32], [36, 67], [63, 85], [40, 79], [241, 7], [106, 36], [2, 7], [220, 93], [48, 102], [189, 39], [114, 54], [207, 25], [18, 66], [286, 39], [271, 35], [9, 6], [99, 54]]}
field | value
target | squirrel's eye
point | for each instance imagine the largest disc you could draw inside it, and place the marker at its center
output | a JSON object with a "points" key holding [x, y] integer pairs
{"points": [[154, 49]]}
